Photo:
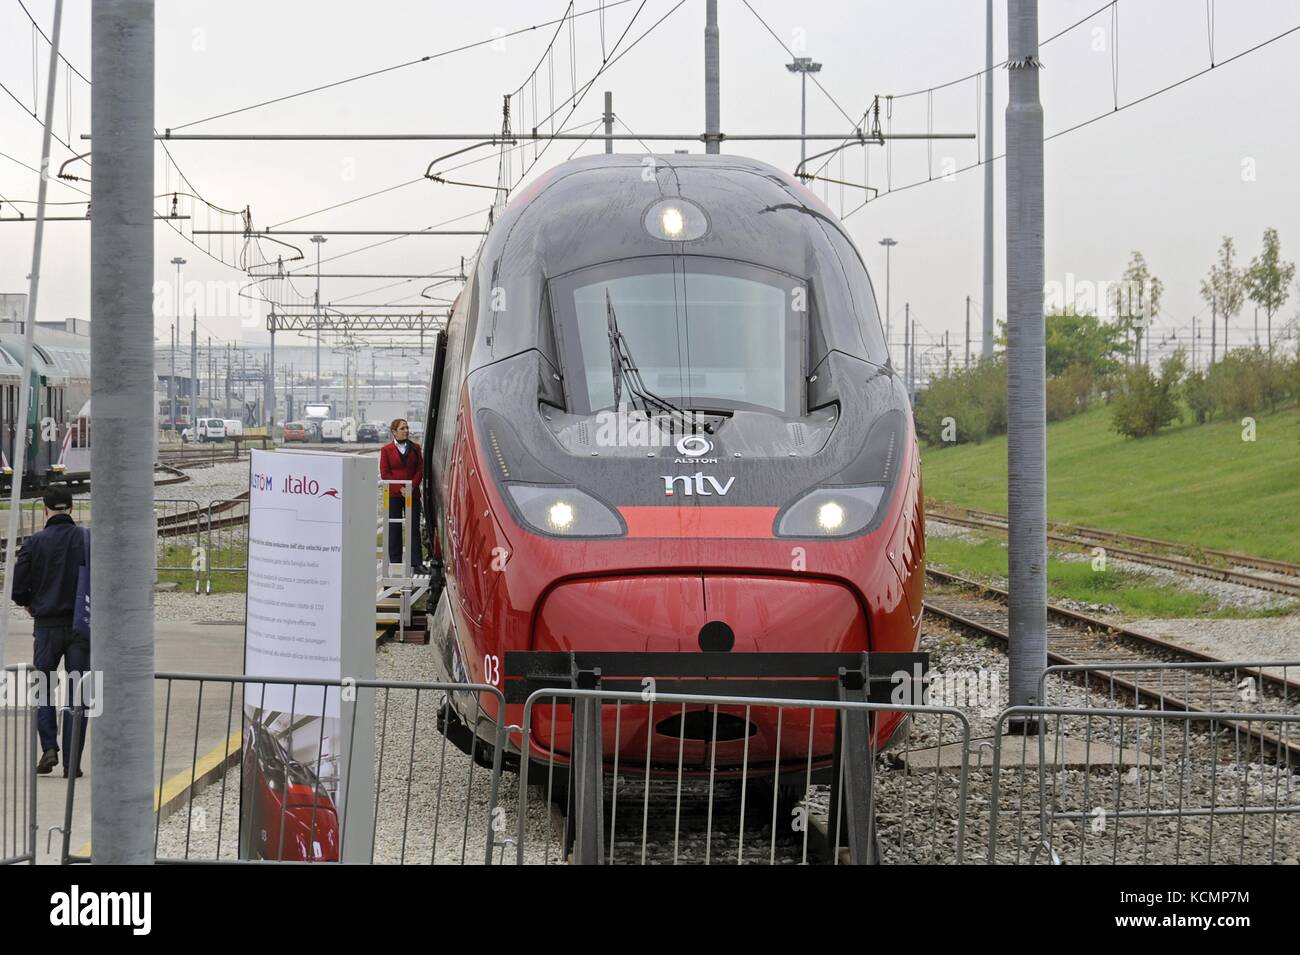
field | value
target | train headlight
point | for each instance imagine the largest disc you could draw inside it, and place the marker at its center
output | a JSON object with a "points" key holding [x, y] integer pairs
{"points": [[564, 511], [560, 516], [831, 512], [830, 517], [676, 220]]}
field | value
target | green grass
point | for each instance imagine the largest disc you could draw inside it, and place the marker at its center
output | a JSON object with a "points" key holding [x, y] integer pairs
{"points": [[1135, 595], [1194, 484], [223, 582]]}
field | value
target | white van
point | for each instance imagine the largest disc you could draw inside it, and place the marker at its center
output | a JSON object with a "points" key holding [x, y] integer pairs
{"points": [[211, 429], [331, 429], [234, 428]]}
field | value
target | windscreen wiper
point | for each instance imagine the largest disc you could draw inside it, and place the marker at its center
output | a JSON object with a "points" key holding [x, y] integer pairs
{"points": [[625, 369]]}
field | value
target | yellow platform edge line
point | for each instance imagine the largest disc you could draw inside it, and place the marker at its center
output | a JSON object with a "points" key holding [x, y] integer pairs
{"points": [[174, 790]]}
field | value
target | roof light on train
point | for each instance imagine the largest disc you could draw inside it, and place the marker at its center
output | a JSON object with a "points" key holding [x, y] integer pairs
{"points": [[675, 220], [560, 516], [672, 222], [830, 517]]}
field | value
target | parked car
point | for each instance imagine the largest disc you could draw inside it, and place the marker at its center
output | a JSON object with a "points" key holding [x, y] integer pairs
{"points": [[234, 428], [373, 432], [294, 431], [331, 429], [210, 429]]}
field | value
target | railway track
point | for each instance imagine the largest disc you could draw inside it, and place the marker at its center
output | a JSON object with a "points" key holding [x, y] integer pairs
{"points": [[1077, 639], [1261, 573]]}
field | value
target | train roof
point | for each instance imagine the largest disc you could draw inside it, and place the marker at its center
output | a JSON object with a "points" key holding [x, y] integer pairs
{"points": [[593, 210]]}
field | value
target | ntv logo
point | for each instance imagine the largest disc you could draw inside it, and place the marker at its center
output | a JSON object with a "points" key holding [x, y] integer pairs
{"points": [[693, 447], [103, 908]]}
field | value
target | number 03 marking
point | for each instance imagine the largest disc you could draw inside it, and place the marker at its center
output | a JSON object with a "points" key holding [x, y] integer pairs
{"points": [[492, 669]]}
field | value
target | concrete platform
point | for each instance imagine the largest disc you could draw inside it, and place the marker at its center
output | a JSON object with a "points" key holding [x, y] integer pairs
{"points": [[190, 733], [1018, 751]]}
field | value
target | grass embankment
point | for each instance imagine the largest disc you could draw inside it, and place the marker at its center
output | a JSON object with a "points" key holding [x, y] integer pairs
{"points": [[1133, 594], [1194, 484]]}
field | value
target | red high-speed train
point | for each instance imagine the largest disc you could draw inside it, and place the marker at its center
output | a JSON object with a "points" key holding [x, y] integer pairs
{"points": [[663, 419]]}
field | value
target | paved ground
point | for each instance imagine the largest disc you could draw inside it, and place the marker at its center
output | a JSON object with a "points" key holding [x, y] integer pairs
{"points": [[180, 647]]}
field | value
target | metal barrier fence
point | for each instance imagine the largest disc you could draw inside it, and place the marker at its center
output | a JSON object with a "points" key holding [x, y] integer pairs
{"points": [[428, 802], [734, 780], [1109, 785], [19, 750], [178, 541], [687, 778], [226, 537], [31, 518]]}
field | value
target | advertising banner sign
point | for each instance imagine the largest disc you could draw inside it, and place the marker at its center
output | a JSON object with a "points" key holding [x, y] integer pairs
{"points": [[311, 561]]}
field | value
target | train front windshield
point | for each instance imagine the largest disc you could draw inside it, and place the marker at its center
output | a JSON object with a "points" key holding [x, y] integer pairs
{"points": [[702, 333]]}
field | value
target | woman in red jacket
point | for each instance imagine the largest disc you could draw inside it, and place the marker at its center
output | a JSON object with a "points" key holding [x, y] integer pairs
{"points": [[402, 460]]}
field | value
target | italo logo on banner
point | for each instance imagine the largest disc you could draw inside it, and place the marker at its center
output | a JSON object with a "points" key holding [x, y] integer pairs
{"points": [[303, 486]]}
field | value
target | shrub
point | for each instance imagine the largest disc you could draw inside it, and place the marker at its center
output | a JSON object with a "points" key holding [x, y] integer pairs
{"points": [[1199, 397], [1069, 392], [1248, 381], [1145, 403], [974, 398]]}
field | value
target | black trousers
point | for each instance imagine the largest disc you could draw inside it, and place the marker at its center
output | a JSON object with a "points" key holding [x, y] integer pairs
{"points": [[52, 645], [397, 509]]}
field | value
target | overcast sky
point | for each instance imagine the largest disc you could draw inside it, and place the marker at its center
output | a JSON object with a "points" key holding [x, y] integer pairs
{"points": [[1170, 176]]}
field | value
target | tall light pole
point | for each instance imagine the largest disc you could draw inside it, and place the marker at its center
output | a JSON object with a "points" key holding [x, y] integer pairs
{"points": [[1026, 367], [319, 240], [803, 65], [171, 381], [888, 243], [986, 315]]}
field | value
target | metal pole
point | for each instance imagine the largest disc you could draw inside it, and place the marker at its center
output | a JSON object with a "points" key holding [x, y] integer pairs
{"points": [[907, 348], [1026, 364], [1214, 329], [25, 392], [986, 310], [609, 121], [211, 382], [1256, 326], [712, 107], [967, 331], [888, 243], [194, 368], [171, 379], [270, 388], [121, 255], [803, 118], [1194, 343], [319, 240]]}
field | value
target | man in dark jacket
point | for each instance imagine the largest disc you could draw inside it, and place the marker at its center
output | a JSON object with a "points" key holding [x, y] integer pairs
{"points": [[45, 582]]}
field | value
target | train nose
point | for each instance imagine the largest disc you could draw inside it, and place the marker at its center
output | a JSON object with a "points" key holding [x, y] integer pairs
{"points": [[701, 613]]}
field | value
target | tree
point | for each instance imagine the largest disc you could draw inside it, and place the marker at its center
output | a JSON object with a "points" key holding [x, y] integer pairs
{"points": [[1267, 279], [1225, 286], [1082, 340], [1137, 299]]}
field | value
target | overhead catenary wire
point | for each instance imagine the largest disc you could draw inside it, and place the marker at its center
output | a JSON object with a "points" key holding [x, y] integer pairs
{"points": [[1093, 119], [396, 66]]}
